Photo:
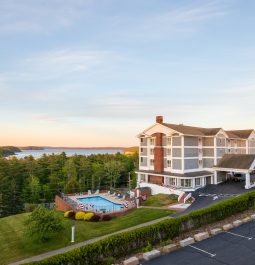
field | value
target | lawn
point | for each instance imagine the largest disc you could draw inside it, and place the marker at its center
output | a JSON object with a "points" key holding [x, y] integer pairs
{"points": [[160, 200], [15, 244]]}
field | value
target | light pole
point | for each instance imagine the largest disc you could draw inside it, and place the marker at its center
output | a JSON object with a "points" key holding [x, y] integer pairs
{"points": [[73, 231]]}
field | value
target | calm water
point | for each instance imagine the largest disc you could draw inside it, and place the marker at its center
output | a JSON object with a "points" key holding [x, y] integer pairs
{"points": [[97, 203], [69, 152]]}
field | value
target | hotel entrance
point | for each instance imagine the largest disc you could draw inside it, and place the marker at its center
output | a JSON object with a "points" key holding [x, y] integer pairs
{"points": [[208, 180]]}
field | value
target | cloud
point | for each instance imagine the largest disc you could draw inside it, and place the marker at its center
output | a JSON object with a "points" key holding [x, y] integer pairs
{"points": [[37, 16], [172, 21], [57, 64]]}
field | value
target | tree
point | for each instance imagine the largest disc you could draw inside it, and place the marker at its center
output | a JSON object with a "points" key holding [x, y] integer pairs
{"points": [[69, 169], [43, 224], [72, 186], [31, 192], [112, 171], [97, 175], [85, 173]]}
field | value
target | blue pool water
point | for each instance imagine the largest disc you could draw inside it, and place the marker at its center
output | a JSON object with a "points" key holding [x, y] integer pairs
{"points": [[98, 203]]}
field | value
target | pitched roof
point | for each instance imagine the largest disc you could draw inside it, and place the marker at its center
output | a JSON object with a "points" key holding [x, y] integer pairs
{"points": [[172, 174], [236, 161], [190, 130], [239, 133]]}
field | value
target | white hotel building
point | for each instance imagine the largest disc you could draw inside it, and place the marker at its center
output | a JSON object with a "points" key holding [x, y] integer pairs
{"points": [[187, 158]]}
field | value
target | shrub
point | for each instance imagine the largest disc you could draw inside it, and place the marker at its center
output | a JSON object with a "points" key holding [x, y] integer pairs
{"points": [[88, 216], [109, 261], [122, 244], [43, 223], [30, 207], [107, 217], [79, 216], [95, 218], [69, 214], [148, 247]]}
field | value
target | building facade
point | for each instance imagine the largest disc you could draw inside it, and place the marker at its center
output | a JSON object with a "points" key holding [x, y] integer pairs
{"points": [[185, 157]]}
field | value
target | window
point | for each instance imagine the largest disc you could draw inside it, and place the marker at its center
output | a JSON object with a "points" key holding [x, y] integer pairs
{"points": [[141, 159], [172, 182], [141, 140], [168, 151], [141, 150], [168, 141], [152, 141], [197, 181], [142, 177], [186, 183], [168, 163], [200, 162], [152, 162], [152, 151]]}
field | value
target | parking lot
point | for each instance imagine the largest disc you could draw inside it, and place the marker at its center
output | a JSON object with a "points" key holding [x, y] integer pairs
{"points": [[234, 247]]}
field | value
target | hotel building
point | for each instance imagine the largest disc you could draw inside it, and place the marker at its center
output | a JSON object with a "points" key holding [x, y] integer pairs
{"points": [[187, 158]]}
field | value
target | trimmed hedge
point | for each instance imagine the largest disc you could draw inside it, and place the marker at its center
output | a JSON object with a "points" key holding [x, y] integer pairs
{"points": [[88, 216], [122, 244], [79, 216], [69, 214]]}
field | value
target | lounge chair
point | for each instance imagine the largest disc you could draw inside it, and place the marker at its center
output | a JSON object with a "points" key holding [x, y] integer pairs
{"points": [[97, 192], [89, 192], [112, 195], [118, 197], [108, 193]]}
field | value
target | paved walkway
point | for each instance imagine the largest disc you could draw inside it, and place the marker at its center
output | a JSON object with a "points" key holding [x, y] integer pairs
{"points": [[65, 249]]}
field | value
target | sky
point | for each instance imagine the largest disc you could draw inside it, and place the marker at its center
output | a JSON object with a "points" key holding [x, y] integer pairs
{"points": [[97, 72]]}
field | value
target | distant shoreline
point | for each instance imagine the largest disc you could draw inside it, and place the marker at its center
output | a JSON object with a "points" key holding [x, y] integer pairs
{"points": [[67, 148]]}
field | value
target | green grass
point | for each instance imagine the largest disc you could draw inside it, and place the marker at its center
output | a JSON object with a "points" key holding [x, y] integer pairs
{"points": [[15, 244], [160, 200]]}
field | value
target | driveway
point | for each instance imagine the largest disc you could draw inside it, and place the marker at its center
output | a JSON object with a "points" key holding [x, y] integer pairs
{"points": [[212, 194]]}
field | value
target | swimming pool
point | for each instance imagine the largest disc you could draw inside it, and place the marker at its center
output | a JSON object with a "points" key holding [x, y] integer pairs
{"points": [[100, 204]]}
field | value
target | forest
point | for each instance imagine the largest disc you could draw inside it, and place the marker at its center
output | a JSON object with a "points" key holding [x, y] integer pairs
{"points": [[27, 182]]}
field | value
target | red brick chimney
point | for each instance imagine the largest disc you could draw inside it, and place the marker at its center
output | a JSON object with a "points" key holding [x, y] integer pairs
{"points": [[159, 154], [159, 119]]}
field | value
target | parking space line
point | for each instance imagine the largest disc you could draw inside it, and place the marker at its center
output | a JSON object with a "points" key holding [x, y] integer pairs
{"points": [[199, 249], [234, 234]]}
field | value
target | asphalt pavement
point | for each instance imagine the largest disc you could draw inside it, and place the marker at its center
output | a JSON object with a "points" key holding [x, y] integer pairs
{"points": [[235, 247]]}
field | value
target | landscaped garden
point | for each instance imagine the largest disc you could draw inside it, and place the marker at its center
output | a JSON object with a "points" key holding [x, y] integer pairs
{"points": [[160, 200], [16, 244], [114, 247]]}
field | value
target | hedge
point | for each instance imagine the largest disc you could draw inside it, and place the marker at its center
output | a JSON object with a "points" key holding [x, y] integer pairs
{"points": [[122, 244]]}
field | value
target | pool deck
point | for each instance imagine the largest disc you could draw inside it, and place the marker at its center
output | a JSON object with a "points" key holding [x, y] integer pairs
{"points": [[104, 196]]}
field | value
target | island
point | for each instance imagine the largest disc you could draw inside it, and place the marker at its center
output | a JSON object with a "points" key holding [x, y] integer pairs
{"points": [[8, 151]]}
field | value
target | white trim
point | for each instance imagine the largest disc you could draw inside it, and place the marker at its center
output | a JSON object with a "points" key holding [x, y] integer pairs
{"points": [[221, 131], [163, 127], [231, 169]]}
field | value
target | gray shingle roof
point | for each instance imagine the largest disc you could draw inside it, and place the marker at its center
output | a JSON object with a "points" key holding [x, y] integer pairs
{"points": [[190, 130], [239, 133], [185, 175], [236, 161]]}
